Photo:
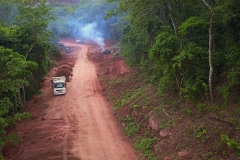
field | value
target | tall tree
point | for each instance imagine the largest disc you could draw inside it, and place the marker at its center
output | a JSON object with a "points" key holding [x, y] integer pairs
{"points": [[33, 35], [210, 50]]}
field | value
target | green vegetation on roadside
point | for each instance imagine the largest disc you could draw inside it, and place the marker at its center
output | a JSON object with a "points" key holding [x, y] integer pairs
{"points": [[26, 54], [203, 130], [131, 127], [185, 57], [145, 146], [188, 52]]}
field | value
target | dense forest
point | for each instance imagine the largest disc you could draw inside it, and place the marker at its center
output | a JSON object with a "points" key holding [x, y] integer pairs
{"points": [[189, 49]]}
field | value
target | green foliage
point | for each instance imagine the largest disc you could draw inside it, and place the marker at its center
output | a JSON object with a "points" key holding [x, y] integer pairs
{"points": [[52, 56], [231, 143], [8, 12], [189, 112], [14, 69], [178, 61], [145, 145], [238, 128], [131, 127], [118, 81], [193, 73], [20, 116], [165, 46], [24, 43], [13, 138], [162, 52], [110, 13], [131, 98], [134, 106], [134, 45], [8, 118], [232, 74], [191, 22], [200, 131], [120, 103], [224, 92]]}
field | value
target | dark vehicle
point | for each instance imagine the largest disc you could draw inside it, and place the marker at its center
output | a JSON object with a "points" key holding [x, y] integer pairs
{"points": [[68, 50], [106, 52]]}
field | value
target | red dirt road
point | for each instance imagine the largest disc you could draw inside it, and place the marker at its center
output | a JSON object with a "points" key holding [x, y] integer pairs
{"points": [[78, 125]]}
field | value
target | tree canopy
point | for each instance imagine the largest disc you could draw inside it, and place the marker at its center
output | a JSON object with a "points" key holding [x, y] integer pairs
{"points": [[172, 38], [188, 48], [24, 46]]}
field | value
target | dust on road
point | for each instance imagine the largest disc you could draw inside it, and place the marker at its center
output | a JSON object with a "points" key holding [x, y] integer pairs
{"points": [[78, 125]]}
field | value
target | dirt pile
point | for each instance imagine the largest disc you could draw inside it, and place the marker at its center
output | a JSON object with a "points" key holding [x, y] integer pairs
{"points": [[43, 137], [65, 66], [73, 126], [64, 70], [111, 64]]}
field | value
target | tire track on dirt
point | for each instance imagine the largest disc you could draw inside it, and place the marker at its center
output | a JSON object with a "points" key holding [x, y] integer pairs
{"points": [[78, 125], [98, 136]]}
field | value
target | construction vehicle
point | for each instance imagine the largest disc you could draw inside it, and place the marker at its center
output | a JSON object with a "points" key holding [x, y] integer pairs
{"points": [[68, 49], [59, 85]]}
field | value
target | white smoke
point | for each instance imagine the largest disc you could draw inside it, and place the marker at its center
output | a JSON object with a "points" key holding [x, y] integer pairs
{"points": [[91, 32]]}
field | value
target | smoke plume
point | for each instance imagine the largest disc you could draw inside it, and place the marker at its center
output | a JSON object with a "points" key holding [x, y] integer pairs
{"points": [[90, 31], [86, 21]]}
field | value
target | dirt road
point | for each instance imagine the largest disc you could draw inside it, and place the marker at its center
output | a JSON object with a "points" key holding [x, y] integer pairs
{"points": [[78, 125]]}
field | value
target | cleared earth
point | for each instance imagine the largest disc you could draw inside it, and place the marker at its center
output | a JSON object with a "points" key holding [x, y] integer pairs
{"points": [[78, 125]]}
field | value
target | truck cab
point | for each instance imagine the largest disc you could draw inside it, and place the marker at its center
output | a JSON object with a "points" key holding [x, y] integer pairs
{"points": [[59, 85]]}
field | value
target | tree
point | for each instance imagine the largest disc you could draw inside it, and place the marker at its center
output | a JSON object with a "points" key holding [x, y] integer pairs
{"points": [[34, 37], [14, 68], [8, 11], [210, 50], [34, 17]]}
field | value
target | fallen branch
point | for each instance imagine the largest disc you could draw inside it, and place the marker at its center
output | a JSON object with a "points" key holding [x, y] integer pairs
{"points": [[166, 113]]}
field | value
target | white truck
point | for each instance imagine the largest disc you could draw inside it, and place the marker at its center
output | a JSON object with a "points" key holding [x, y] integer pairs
{"points": [[79, 41], [59, 85]]}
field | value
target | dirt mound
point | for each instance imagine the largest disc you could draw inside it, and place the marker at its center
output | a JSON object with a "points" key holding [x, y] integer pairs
{"points": [[67, 63], [63, 72], [66, 67], [43, 137], [111, 65], [71, 65]]}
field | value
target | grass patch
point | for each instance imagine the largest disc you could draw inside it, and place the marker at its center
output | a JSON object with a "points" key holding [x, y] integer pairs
{"points": [[130, 127], [145, 145]]}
